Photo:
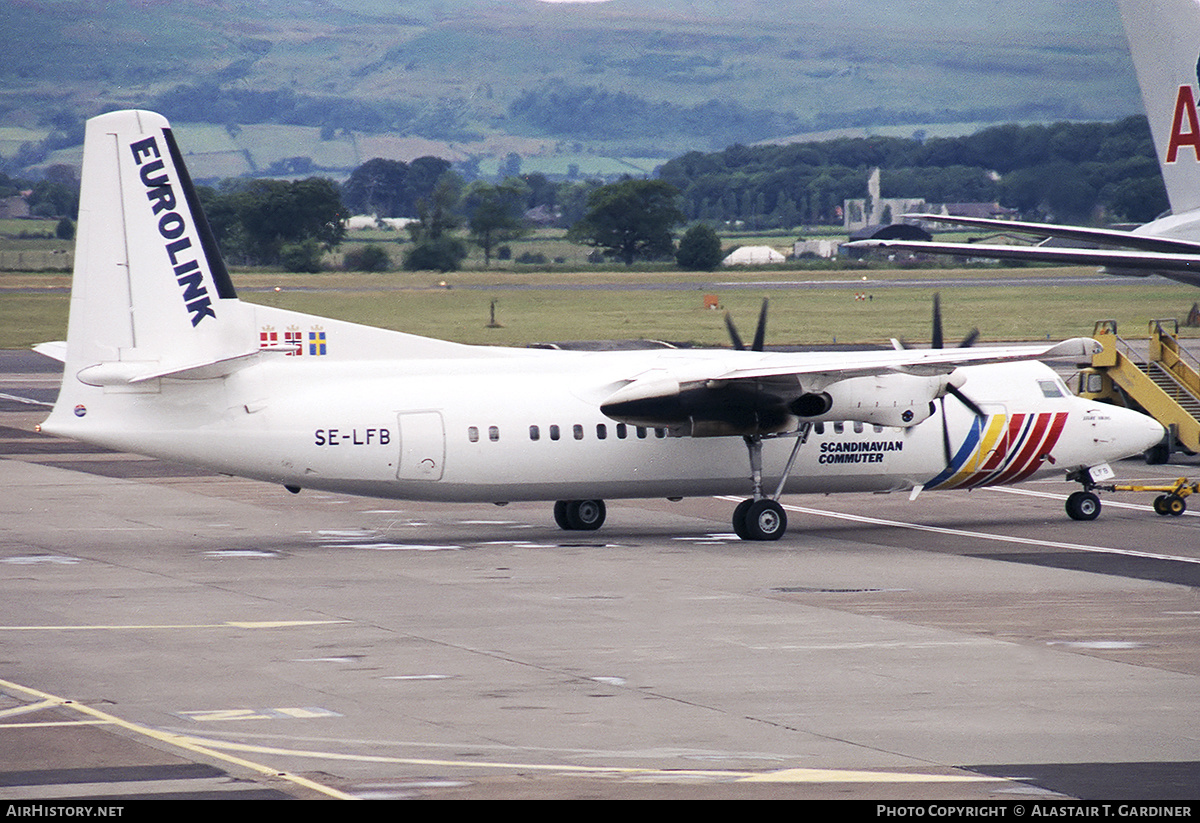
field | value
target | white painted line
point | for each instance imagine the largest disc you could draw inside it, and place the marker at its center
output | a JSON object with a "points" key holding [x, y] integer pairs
{"points": [[1116, 504], [998, 538], [28, 401]]}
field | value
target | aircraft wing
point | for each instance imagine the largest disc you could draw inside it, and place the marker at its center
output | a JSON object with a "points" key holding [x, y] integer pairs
{"points": [[772, 392], [1182, 267], [1107, 237]]}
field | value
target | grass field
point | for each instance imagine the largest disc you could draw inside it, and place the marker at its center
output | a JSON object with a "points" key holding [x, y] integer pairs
{"points": [[608, 305]]}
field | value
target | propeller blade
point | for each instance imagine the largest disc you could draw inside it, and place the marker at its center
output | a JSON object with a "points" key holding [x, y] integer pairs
{"points": [[733, 333], [937, 322], [760, 333], [966, 401], [945, 433]]}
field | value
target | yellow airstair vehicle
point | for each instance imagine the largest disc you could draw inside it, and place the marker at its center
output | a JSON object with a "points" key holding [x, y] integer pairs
{"points": [[1165, 383]]}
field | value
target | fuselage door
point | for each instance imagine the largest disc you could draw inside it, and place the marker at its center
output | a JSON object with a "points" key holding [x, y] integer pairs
{"points": [[422, 446]]}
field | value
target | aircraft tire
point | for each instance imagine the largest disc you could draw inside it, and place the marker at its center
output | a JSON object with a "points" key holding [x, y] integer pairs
{"points": [[560, 515], [1083, 506], [765, 520], [739, 518], [586, 515]]}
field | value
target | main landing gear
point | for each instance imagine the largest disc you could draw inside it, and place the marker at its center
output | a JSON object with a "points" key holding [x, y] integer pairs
{"points": [[762, 517], [579, 515]]}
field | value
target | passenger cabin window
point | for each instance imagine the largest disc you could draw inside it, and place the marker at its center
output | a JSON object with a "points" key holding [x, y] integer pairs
{"points": [[577, 431], [622, 431], [535, 433], [601, 431], [554, 434], [858, 427], [494, 434], [473, 434]]}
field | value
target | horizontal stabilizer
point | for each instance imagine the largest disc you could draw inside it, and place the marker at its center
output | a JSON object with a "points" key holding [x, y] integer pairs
{"points": [[56, 350]]}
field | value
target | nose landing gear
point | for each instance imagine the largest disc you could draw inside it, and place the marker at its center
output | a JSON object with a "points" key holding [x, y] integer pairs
{"points": [[1083, 505]]}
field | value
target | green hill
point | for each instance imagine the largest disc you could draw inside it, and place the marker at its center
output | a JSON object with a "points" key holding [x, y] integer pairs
{"points": [[594, 86]]}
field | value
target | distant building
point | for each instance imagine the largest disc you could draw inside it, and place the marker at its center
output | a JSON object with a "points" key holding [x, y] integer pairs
{"points": [[816, 248], [13, 207], [874, 210], [753, 256], [992, 211]]}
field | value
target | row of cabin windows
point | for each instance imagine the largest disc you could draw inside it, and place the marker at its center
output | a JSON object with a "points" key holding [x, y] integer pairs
{"points": [[622, 431], [577, 432], [840, 427]]}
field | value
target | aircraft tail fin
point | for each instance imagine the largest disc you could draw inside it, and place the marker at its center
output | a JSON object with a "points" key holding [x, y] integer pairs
{"points": [[1164, 40], [149, 284]]}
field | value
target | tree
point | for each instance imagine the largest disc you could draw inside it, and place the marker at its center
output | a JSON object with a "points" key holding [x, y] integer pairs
{"points": [[495, 215], [630, 219], [65, 229], [433, 245], [367, 258], [444, 254], [392, 188], [254, 221], [377, 187], [700, 249]]}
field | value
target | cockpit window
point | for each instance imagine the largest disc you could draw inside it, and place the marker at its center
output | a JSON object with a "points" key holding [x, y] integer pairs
{"points": [[1050, 388]]}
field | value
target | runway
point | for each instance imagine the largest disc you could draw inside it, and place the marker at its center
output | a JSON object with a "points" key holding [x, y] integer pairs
{"points": [[167, 632]]}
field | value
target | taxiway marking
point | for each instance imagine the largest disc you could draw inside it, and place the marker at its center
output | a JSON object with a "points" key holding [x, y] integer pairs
{"points": [[790, 775], [998, 538], [180, 741], [230, 624]]}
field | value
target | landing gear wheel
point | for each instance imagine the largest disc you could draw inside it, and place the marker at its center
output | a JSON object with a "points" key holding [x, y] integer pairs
{"points": [[579, 515], [1083, 506], [765, 520], [560, 515], [1175, 505], [739, 519], [586, 515]]}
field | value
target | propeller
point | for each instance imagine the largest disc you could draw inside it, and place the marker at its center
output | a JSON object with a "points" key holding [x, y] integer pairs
{"points": [[760, 333], [967, 342], [938, 342]]}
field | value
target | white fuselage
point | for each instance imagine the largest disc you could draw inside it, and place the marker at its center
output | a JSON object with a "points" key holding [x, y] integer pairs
{"points": [[527, 425]]}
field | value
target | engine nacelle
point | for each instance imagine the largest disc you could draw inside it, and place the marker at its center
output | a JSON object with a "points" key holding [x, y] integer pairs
{"points": [[902, 400]]}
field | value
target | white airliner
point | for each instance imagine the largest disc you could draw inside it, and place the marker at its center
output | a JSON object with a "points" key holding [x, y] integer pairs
{"points": [[163, 359], [1164, 40]]}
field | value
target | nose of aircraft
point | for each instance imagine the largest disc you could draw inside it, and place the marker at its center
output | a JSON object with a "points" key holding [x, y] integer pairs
{"points": [[1135, 432]]}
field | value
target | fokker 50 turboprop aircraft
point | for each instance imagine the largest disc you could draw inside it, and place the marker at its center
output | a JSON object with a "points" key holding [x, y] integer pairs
{"points": [[162, 358], [1164, 40]]}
